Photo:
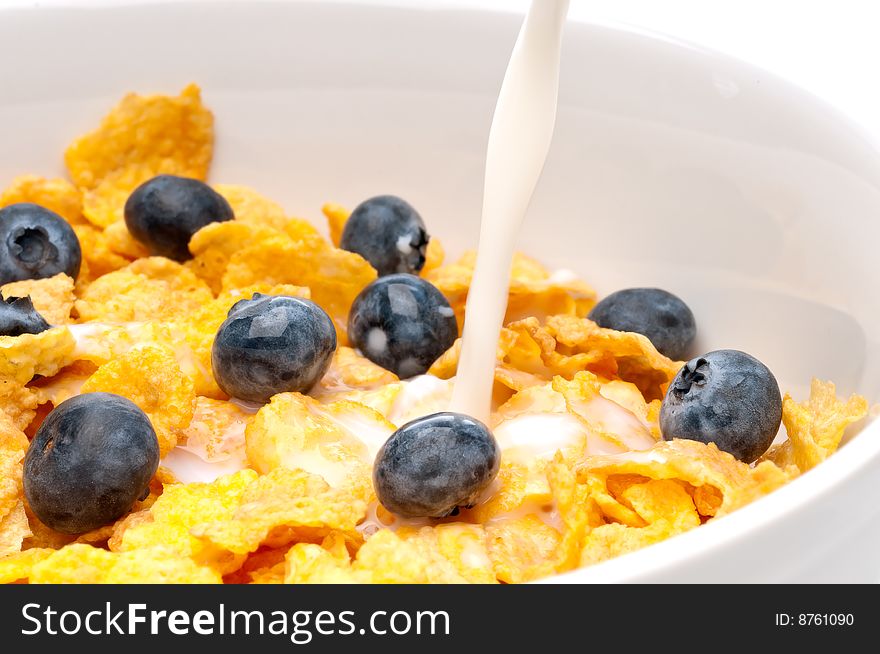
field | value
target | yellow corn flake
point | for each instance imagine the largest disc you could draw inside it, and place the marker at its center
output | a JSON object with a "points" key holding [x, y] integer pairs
{"points": [[98, 343], [611, 540], [337, 216], [23, 357], [213, 246], [517, 491], [14, 529], [337, 441], [520, 548], [696, 464], [104, 205], [612, 427], [577, 512], [335, 277], [84, 564], [815, 427], [313, 564], [17, 567], [98, 258], [171, 135], [385, 558], [283, 506], [120, 241], [664, 499], [453, 553], [269, 575], [182, 507], [57, 195], [200, 327], [265, 566], [253, 209], [611, 354], [13, 445], [434, 256], [216, 431], [154, 288], [52, 297], [150, 377], [533, 290], [349, 371]]}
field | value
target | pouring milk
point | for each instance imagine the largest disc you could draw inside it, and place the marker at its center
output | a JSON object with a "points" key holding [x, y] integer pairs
{"points": [[519, 140]]}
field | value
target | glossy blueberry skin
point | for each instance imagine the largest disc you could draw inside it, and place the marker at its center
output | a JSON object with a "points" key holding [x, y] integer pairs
{"points": [[272, 344], [36, 243], [89, 462], [434, 465], [402, 323], [389, 233], [726, 397], [164, 212], [661, 316], [18, 316]]}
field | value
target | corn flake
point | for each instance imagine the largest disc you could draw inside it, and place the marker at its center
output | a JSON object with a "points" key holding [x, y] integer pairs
{"points": [[154, 288], [213, 246], [696, 464], [23, 357], [179, 510], [337, 441], [280, 507], [158, 133], [83, 564], [337, 216], [335, 277], [52, 297], [816, 427], [17, 567], [98, 258], [57, 195], [149, 376]]}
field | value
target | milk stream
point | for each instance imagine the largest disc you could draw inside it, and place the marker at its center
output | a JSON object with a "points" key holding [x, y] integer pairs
{"points": [[519, 140]]}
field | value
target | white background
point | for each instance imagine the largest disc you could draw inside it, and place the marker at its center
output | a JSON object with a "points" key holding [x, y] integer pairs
{"points": [[829, 47]]}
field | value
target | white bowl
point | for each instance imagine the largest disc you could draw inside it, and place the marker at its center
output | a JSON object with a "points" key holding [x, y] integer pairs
{"points": [[671, 166]]}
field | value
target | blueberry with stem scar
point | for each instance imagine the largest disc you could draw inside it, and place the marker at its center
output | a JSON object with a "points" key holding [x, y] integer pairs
{"points": [[36, 243], [726, 397]]}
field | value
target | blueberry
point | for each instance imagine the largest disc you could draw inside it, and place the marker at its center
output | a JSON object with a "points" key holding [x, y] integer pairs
{"points": [[164, 212], [434, 465], [89, 462], [387, 232], [661, 316], [402, 323], [726, 397], [36, 243], [272, 344]]}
